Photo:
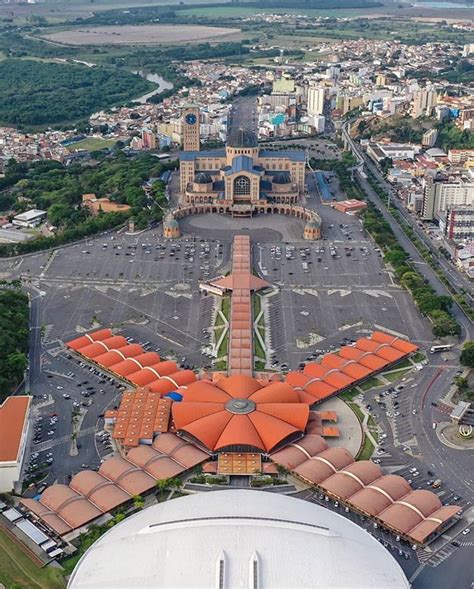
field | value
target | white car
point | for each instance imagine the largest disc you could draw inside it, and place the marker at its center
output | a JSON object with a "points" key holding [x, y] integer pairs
{"points": [[59, 387], [466, 531]]}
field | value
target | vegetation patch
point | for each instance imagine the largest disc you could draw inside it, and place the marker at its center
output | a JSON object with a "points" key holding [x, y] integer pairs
{"points": [[18, 571], [93, 144], [14, 317], [371, 383], [36, 93], [57, 189], [396, 374], [367, 449]]}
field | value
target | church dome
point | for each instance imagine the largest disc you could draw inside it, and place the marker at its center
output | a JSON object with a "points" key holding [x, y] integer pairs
{"points": [[170, 222], [203, 178], [242, 138], [282, 178], [313, 224]]}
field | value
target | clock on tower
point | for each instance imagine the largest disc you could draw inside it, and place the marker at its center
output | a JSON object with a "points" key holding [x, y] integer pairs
{"points": [[191, 129], [191, 118]]}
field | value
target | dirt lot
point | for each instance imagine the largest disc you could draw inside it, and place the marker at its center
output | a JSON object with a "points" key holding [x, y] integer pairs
{"points": [[138, 35]]}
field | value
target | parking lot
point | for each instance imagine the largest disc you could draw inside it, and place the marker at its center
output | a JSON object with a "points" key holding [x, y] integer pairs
{"points": [[332, 289]]}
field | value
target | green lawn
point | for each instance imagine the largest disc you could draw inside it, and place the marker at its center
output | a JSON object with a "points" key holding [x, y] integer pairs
{"points": [[219, 321], [349, 395], [357, 410], [370, 384], [392, 376], [224, 347], [259, 351], [93, 144], [257, 305], [405, 364], [18, 571], [418, 357], [225, 307], [365, 453]]}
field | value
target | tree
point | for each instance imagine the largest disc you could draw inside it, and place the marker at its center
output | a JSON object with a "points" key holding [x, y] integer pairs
{"points": [[467, 354], [461, 382], [138, 502], [162, 485]]}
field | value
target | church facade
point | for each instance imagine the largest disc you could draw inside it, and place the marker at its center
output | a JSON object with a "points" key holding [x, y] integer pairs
{"points": [[242, 176]]}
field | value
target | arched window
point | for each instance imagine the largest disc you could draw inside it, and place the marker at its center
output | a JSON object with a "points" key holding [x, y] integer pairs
{"points": [[242, 185]]}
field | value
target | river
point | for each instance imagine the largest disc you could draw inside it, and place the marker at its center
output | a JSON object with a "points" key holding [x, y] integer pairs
{"points": [[157, 79]]}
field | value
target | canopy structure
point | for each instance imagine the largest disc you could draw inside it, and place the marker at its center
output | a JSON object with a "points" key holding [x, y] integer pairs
{"points": [[239, 411]]}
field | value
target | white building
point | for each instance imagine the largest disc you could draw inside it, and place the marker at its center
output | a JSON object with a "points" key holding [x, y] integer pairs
{"points": [[429, 138], [318, 123], [394, 151], [315, 101], [442, 194], [237, 538], [423, 102], [14, 422], [30, 218]]}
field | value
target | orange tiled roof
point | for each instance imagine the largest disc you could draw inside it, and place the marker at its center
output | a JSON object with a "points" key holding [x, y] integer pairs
{"points": [[141, 415], [351, 364], [90, 494], [361, 485], [239, 411], [13, 413], [131, 362]]}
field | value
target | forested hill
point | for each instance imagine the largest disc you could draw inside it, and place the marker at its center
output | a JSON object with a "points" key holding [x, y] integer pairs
{"points": [[34, 93], [13, 337]]}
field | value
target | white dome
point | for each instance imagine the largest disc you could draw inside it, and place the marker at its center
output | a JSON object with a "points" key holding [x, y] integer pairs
{"points": [[234, 539]]}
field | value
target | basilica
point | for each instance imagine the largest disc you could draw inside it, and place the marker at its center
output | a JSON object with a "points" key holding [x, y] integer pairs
{"points": [[242, 175]]}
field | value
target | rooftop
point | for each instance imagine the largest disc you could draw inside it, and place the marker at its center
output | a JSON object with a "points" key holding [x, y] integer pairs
{"points": [[13, 416], [237, 538]]}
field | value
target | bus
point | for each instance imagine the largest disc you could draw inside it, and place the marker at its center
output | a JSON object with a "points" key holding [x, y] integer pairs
{"points": [[441, 348]]}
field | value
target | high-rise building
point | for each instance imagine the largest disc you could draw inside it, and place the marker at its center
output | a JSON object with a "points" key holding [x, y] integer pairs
{"points": [[191, 128], [429, 138], [460, 223], [441, 194], [148, 139], [423, 102], [315, 101]]}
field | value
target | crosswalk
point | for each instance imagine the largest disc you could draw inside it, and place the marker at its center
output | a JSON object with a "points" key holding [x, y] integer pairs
{"points": [[434, 559]]}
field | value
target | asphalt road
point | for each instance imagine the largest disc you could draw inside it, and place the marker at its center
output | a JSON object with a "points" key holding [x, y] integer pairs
{"points": [[243, 114], [458, 280], [421, 265]]}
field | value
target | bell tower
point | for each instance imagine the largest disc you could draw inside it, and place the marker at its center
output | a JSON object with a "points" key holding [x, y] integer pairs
{"points": [[191, 128]]}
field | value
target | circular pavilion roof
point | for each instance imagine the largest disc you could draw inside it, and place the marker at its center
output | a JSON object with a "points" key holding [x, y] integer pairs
{"points": [[237, 538], [240, 411], [242, 138]]}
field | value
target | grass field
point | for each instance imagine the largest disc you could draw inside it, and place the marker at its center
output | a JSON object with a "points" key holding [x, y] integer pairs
{"points": [[392, 376], [138, 34], [365, 453], [93, 144], [370, 384], [17, 570]]}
